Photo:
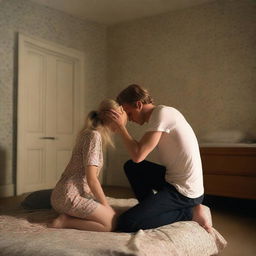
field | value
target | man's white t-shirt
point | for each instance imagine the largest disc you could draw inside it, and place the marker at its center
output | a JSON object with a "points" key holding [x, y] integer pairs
{"points": [[178, 150]]}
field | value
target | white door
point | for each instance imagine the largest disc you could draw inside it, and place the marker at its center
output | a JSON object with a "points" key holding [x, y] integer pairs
{"points": [[50, 102]]}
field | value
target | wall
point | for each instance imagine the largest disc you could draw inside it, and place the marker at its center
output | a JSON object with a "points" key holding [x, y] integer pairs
{"points": [[23, 16], [201, 60]]}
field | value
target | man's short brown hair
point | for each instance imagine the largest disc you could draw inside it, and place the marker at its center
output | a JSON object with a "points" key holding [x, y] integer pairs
{"points": [[134, 93]]}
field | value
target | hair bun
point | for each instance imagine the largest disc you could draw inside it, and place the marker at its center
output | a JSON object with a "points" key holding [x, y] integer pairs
{"points": [[94, 114]]}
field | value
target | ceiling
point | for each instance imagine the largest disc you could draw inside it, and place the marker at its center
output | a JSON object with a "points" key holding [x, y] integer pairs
{"points": [[114, 11]]}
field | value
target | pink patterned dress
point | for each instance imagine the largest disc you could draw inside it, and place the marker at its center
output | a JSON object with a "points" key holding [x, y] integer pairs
{"points": [[72, 194]]}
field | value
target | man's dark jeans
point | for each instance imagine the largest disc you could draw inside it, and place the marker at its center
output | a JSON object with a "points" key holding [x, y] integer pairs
{"points": [[159, 202]]}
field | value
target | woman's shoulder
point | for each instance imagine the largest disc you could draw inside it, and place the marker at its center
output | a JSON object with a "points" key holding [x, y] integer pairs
{"points": [[92, 134]]}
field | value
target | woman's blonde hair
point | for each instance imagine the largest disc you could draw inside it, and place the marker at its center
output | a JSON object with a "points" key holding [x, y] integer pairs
{"points": [[97, 120]]}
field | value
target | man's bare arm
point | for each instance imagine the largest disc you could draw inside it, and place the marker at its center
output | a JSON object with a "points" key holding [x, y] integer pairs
{"points": [[139, 150]]}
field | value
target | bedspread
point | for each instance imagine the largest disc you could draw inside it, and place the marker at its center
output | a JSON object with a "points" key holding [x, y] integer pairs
{"points": [[24, 233]]}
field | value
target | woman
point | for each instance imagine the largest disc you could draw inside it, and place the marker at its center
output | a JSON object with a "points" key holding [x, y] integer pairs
{"points": [[78, 195]]}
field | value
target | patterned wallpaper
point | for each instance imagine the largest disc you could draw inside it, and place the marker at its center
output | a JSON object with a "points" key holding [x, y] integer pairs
{"points": [[201, 60], [29, 18]]}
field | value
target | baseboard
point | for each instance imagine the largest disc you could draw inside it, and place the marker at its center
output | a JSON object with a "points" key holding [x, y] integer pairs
{"points": [[7, 190]]}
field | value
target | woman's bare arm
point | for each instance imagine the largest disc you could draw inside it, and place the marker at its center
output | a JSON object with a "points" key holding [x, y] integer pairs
{"points": [[94, 184]]}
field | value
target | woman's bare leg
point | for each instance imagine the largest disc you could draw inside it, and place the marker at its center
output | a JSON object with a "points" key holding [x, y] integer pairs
{"points": [[101, 219]]}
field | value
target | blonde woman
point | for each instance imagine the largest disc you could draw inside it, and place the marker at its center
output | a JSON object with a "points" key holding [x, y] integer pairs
{"points": [[78, 195]]}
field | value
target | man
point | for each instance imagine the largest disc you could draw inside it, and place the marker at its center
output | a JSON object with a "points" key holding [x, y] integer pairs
{"points": [[172, 191]]}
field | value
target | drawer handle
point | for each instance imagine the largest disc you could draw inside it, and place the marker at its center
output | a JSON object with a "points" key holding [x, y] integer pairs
{"points": [[47, 138]]}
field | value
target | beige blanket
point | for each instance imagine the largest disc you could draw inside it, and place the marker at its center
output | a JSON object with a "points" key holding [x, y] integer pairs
{"points": [[24, 233]]}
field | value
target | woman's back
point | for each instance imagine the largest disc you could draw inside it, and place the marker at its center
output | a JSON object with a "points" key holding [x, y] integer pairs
{"points": [[87, 151]]}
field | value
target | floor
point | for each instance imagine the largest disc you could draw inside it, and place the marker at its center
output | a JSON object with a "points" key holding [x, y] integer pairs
{"points": [[235, 219]]}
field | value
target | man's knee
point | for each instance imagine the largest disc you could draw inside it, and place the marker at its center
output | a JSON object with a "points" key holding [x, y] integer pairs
{"points": [[125, 224]]}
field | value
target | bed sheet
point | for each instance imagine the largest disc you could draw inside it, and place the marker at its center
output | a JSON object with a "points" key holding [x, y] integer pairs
{"points": [[24, 233]]}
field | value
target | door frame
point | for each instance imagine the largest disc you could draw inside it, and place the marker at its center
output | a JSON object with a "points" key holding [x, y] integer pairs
{"points": [[52, 47]]}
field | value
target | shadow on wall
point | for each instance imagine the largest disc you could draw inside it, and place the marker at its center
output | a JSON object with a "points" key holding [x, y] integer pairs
{"points": [[15, 110], [3, 156]]}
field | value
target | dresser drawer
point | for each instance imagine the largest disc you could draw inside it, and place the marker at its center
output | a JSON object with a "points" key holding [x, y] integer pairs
{"points": [[229, 171], [230, 186], [223, 161]]}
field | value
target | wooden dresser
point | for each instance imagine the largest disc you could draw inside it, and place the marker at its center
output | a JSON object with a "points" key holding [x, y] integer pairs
{"points": [[229, 171]]}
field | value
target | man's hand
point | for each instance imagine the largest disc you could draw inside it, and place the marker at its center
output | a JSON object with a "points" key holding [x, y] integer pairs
{"points": [[118, 117]]}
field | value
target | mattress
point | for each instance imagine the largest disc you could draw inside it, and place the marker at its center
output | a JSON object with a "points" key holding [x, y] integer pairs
{"points": [[25, 233]]}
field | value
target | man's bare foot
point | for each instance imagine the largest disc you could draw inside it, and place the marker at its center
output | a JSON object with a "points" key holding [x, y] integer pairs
{"points": [[58, 222], [202, 215]]}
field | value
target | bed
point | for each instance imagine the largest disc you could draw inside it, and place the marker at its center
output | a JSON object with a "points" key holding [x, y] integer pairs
{"points": [[24, 233]]}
